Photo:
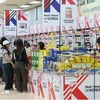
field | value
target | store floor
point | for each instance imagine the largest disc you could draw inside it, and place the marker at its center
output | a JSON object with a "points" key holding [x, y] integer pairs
{"points": [[18, 96]]}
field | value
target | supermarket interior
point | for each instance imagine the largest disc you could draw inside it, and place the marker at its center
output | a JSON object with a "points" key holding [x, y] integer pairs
{"points": [[54, 48]]}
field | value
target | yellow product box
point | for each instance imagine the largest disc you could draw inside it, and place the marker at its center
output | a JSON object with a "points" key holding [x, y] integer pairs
{"points": [[40, 69], [61, 66], [78, 60], [71, 61], [69, 65], [44, 52], [92, 65], [40, 62], [92, 60], [88, 60], [84, 61], [97, 65], [66, 66]]}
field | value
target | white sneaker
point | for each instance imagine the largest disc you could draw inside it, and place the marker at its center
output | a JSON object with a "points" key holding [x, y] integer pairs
{"points": [[6, 91]]}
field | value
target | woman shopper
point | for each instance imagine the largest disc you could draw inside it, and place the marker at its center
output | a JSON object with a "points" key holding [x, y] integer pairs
{"points": [[3, 73], [41, 46], [21, 62], [8, 67]]}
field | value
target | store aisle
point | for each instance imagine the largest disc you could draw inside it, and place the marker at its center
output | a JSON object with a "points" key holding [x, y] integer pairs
{"points": [[18, 96]]}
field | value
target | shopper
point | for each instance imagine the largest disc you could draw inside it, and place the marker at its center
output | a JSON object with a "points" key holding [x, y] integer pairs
{"points": [[12, 54], [2, 40], [25, 43], [3, 73], [98, 42], [41, 46], [21, 62], [8, 67]]}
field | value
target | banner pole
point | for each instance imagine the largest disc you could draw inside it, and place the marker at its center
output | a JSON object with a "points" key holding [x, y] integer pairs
{"points": [[16, 22], [60, 25]]}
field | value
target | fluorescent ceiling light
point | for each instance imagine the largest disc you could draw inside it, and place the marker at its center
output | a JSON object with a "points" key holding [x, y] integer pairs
{"points": [[2, 1], [25, 6], [17, 9], [35, 2]]}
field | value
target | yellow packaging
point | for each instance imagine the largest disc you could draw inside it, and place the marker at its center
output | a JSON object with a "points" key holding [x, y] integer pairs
{"points": [[97, 65], [66, 66], [88, 60], [40, 62], [92, 60], [84, 61], [62, 66], [78, 60]]}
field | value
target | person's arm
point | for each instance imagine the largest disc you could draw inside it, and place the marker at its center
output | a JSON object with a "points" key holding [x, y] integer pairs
{"points": [[13, 58], [9, 60]]}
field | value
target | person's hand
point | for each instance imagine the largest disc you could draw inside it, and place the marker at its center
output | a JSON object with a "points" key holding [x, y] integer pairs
{"points": [[13, 65], [29, 66]]}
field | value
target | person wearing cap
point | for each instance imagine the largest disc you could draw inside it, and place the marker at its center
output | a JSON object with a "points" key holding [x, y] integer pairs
{"points": [[8, 67], [2, 68]]}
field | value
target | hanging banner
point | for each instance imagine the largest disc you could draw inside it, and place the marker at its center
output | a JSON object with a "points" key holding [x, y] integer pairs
{"points": [[1, 27], [10, 22], [51, 10], [89, 9], [69, 13], [22, 23]]}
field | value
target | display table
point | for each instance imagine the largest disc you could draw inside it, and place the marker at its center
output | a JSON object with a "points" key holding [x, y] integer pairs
{"points": [[58, 87]]}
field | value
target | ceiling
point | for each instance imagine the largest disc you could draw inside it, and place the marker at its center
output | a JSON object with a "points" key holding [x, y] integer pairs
{"points": [[12, 4]]}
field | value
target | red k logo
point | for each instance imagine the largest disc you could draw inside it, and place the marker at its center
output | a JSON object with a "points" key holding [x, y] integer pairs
{"points": [[21, 15], [71, 2], [73, 89]]}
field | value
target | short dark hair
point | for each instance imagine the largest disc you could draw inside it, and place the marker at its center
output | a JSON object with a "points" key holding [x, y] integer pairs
{"points": [[98, 40], [41, 44]]}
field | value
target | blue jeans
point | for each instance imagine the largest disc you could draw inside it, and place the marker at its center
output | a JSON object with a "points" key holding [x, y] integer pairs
{"points": [[8, 75], [3, 73]]}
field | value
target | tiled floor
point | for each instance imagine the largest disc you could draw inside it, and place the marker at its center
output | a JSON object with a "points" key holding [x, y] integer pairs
{"points": [[17, 96]]}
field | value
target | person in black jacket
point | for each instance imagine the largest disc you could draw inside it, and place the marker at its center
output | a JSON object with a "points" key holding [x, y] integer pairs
{"points": [[21, 62]]}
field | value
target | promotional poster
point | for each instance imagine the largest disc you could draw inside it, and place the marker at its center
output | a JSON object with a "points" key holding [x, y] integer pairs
{"points": [[51, 10], [10, 22], [69, 13]]}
